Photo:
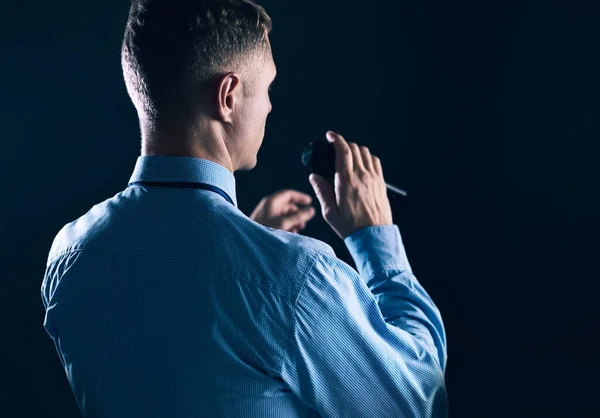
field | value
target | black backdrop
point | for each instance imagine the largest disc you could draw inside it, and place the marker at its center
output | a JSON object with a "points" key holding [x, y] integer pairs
{"points": [[488, 114]]}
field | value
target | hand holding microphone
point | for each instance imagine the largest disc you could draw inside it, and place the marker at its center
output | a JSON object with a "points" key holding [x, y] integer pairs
{"points": [[358, 198]]}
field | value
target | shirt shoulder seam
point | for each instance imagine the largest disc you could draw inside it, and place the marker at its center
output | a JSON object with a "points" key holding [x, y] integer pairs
{"points": [[293, 316]]}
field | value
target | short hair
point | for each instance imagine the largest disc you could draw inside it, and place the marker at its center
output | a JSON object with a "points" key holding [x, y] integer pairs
{"points": [[173, 49]]}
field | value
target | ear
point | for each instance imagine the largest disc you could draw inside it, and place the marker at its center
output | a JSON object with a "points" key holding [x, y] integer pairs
{"points": [[228, 86]]}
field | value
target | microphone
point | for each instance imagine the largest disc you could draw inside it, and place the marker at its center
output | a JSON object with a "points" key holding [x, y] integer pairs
{"points": [[319, 157]]}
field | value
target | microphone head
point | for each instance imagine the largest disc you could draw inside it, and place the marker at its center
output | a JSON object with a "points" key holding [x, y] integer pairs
{"points": [[319, 157]]}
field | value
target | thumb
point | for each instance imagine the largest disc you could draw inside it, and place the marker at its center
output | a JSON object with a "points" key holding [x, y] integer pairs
{"points": [[324, 192]]}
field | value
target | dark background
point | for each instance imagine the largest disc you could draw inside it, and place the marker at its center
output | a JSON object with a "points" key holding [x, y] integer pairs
{"points": [[486, 113]]}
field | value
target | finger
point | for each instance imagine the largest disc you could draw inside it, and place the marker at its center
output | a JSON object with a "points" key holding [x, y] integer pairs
{"points": [[290, 208], [294, 196], [377, 165], [298, 228], [366, 158], [297, 197], [298, 218], [325, 195], [356, 157], [343, 154], [306, 214]]}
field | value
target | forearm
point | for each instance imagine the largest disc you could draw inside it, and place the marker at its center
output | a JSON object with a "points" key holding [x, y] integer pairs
{"points": [[382, 263]]}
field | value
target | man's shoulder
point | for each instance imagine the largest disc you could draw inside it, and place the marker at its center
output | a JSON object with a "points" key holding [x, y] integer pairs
{"points": [[300, 244], [297, 251], [314, 247], [79, 232]]}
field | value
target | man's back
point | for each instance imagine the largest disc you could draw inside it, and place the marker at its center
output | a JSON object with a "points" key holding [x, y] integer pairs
{"points": [[171, 302]]}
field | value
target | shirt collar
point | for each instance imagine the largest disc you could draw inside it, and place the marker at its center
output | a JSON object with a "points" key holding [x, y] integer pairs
{"points": [[188, 169]]}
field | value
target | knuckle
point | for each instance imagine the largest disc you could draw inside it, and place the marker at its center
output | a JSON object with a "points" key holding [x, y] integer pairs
{"points": [[345, 176], [353, 181], [363, 176]]}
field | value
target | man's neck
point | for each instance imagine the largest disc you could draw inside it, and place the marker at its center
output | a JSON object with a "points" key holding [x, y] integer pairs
{"points": [[214, 153]]}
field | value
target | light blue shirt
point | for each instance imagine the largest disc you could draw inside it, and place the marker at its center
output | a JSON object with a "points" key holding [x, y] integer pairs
{"points": [[171, 302]]}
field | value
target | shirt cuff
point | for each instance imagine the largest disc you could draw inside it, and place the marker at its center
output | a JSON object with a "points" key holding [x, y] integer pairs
{"points": [[377, 248]]}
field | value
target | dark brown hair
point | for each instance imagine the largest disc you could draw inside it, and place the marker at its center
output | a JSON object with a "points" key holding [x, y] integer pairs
{"points": [[173, 49]]}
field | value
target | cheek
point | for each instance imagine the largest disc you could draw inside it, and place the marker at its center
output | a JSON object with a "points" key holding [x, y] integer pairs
{"points": [[256, 118], [262, 111]]}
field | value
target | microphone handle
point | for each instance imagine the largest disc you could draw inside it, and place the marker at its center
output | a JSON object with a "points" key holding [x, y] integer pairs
{"points": [[395, 189]]}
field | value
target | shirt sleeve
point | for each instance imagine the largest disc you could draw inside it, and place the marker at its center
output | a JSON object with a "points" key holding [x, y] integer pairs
{"points": [[370, 343]]}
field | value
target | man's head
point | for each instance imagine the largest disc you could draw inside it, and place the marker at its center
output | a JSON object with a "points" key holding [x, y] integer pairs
{"points": [[198, 73]]}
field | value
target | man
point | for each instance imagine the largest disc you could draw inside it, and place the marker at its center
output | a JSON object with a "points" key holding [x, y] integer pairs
{"points": [[167, 301]]}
